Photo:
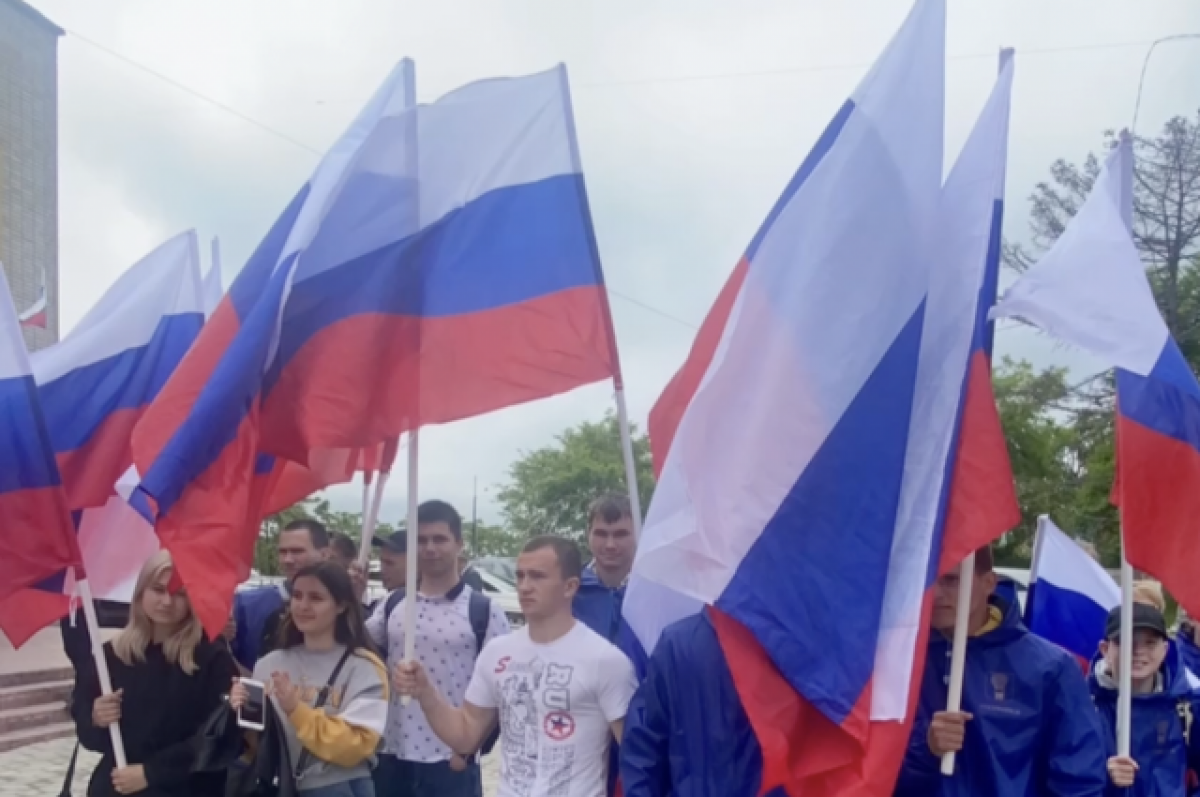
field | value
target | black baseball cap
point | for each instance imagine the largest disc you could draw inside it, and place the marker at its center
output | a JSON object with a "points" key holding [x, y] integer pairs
{"points": [[396, 543], [1144, 616]]}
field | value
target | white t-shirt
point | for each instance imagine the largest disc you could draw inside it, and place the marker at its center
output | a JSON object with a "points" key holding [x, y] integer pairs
{"points": [[556, 702]]}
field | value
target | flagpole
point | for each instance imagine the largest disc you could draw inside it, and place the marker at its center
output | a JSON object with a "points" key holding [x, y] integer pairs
{"points": [[93, 629], [631, 480], [958, 653], [1039, 537], [365, 538], [1125, 664], [410, 578]]}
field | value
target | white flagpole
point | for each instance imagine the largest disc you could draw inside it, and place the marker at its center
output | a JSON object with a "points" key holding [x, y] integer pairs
{"points": [[410, 579], [631, 480], [365, 540], [1039, 537], [1125, 677], [372, 517], [93, 629], [958, 654]]}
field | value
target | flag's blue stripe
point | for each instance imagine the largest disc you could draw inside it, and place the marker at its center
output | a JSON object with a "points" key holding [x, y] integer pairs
{"points": [[78, 402], [985, 330], [811, 588], [26, 459], [1167, 401], [1067, 618]]}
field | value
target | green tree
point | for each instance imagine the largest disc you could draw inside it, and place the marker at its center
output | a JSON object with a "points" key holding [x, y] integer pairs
{"points": [[550, 489], [483, 539]]}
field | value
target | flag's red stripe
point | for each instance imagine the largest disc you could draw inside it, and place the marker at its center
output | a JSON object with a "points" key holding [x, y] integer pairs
{"points": [[90, 471], [28, 611], [668, 410], [983, 498], [371, 377], [30, 551], [1160, 507]]}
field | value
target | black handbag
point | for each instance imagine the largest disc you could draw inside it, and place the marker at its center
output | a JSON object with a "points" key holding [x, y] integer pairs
{"points": [[218, 742]]}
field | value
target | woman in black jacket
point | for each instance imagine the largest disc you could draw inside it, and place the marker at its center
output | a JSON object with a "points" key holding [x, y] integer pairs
{"points": [[167, 680]]}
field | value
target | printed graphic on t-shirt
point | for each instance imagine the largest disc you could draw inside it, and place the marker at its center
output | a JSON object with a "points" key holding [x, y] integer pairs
{"points": [[525, 724]]}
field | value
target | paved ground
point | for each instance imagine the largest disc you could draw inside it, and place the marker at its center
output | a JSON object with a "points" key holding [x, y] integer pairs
{"points": [[38, 770]]}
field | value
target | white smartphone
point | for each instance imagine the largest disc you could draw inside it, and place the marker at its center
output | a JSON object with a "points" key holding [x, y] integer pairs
{"points": [[253, 714]]}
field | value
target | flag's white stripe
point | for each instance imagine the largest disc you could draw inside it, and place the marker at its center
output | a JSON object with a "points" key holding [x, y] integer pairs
{"points": [[14, 361], [1064, 564]]}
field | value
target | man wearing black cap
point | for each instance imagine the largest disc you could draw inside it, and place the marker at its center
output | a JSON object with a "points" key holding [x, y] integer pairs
{"points": [[393, 559], [1162, 745]]}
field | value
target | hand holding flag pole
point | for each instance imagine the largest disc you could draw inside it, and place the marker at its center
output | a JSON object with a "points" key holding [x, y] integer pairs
{"points": [[93, 629]]}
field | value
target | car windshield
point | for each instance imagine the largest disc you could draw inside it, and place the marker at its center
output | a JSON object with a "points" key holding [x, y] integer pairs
{"points": [[502, 567]]}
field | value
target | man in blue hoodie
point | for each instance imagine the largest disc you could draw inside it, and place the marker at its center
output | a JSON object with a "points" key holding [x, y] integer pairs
{"points": [[1163, 744], [686, 733], [602, 588], [1027, 725]]}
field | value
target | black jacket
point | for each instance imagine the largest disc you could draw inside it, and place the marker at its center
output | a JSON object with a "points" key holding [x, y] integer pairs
{"points": [[161, 711]]}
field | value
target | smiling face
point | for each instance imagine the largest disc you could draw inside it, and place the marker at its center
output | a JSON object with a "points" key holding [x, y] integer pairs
{"points": [[1149, 653], [612, 543], [314, 611]]}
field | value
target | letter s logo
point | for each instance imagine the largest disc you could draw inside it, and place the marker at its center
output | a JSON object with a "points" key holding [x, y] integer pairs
{"points": [[502, 665]]}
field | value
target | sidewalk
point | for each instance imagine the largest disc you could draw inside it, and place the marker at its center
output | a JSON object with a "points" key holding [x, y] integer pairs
{"points": [[39, 770]]}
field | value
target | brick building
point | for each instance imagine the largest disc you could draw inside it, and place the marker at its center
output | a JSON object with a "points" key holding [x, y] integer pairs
{"points": [[29, 160]]}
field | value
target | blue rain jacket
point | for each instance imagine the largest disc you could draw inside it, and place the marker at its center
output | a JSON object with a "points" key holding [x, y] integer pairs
{"points": [[686, 734], [597, 606], [1161, 721], [1035, 732], [1188, 652]]}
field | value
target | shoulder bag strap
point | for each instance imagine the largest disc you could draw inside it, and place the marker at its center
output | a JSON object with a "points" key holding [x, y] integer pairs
{"points": [[322, 696]]}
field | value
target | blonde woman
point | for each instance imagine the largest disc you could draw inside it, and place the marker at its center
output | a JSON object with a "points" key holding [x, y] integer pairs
{"points": [[167, 680]]}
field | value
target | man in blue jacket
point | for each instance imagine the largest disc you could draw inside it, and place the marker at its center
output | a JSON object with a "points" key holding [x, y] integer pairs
{"points": [[1028, 726], [1162, 741], [686, 733], [602, 588], [258, 612]]}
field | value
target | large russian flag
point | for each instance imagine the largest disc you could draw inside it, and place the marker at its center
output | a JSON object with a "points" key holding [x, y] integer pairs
{"points": [[816, 530], [37, 535], [1070, 594], [1090, 290], [440, 263]]}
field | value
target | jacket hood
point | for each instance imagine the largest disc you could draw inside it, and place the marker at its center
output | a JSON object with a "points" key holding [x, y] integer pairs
{"points": [[1011, 627], [1175, 680]]}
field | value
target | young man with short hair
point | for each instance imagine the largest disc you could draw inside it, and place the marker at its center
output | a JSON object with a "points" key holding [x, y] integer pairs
{"points": [[454, 621], [1027, 724], [613, 546], [258, 612], [1163, 743], [559, 690]]}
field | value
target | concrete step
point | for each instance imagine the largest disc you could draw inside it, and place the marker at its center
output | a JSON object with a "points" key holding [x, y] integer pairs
{"points": [[35, 694], [28, 677], [19, 719], [46, 733]]}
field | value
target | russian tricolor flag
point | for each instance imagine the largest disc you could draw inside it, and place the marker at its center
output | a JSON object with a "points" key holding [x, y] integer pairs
{"points": [[94, 386], [808, 440], [37, 535], [35, 314], [440, 263], [1070, 594], [1090, 290]]}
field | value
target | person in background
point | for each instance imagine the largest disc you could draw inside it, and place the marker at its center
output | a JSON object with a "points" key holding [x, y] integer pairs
{"points": [[258, 612], [1150, 593], [1162, 743], [1186, 642], [679, 745], [167, 680], [343, 551], [1027, 725], [322, 643], [613, 546], [454, 622], [393, 559], [559, 690]]}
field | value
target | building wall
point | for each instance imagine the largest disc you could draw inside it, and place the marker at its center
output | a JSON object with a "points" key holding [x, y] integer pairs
{"points": [[29, 160]]}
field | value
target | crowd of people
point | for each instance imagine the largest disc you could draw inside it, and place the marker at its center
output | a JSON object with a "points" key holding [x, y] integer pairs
{"points": [[351, 716]]}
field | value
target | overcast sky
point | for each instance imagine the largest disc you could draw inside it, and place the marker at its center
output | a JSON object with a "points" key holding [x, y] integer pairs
{"points": [[692, 116]]}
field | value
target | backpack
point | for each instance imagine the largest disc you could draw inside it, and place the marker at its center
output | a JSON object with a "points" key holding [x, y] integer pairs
{"points": [[479, 612]]}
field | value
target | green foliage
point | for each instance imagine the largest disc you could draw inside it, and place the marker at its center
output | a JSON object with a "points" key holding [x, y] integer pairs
{"points": [[550, 488], [487, 540]]}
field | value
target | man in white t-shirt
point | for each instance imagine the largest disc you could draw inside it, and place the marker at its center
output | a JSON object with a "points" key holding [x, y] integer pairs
{"points": [[558, 689]]}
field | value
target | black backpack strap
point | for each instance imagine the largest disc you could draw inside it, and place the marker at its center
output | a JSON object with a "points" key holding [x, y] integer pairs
{"points": [[479, 612], [322, 696], [389, 605], [66, 789]]}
